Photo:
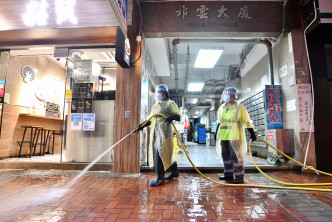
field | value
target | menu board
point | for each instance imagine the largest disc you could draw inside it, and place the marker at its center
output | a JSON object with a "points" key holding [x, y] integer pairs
{"points": [[52, 110], [82, 98]]}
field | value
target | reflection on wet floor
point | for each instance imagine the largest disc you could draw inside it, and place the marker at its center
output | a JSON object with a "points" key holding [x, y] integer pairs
{"points": [[31, 195], [204, 155]]}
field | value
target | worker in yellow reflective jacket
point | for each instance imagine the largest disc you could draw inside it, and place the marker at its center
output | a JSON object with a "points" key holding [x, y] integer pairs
{"points": [[232, 119]]}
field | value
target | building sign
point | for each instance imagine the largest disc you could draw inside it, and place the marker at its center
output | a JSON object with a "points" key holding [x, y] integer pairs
{"points": [[120, 10], [273, 107], [122, 50], [76, 121], [304, 106], [270, 135], [211, 16], [202, 12], [44, 14], [89, 122]]}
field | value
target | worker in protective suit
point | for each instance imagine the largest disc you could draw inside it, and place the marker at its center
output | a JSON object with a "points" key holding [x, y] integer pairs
{"points": [[161, 135], [232, 119]]}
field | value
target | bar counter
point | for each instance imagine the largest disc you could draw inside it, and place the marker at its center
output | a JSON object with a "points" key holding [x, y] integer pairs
{"points": [[11, 131]]}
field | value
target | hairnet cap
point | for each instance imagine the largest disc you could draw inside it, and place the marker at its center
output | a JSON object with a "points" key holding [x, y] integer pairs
{"points": [[230, 91], [162, 87]]}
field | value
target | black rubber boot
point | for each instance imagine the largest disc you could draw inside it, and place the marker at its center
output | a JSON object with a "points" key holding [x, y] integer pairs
{"points": [[226, 178], [174, 171], [238, 180], [160, 179]]}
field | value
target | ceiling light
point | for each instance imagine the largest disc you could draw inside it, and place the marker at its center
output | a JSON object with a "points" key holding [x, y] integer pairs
{"points": [[207, 58], [195, 87], [195, 101], [196, 112], [195, 116]]}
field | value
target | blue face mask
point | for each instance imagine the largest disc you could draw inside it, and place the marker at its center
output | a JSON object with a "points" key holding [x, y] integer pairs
{"points": [[226, 98], [159, 97]]}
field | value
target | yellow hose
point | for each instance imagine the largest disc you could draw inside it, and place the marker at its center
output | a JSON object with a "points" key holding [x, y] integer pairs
{"points": [[254, 185]]}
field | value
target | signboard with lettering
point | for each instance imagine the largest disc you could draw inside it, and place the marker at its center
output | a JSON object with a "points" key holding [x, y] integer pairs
{"points": [[273, 100], [304, 106], [211, 16], [120, 10]]}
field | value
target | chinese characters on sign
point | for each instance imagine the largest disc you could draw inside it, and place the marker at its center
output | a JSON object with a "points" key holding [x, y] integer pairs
{"points": [[273, 107], [304, 105], [38, 12], [202, 12]]}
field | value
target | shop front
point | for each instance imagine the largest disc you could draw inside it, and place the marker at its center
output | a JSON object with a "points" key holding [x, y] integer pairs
{"points": [[61, 97]]}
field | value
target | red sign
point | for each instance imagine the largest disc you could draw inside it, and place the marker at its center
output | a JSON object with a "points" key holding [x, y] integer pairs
{"points": [[270, 135]]}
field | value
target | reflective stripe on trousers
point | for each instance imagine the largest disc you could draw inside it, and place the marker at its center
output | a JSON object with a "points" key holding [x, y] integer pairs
{"points": [[231, 164]]}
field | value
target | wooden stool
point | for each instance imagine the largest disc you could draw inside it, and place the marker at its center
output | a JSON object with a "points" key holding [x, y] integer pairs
{"points": [[34, 130], [47, 133]]}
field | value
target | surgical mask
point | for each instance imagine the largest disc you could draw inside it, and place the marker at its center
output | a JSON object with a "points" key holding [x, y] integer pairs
{"points": [[226, 98], [159, 97]]}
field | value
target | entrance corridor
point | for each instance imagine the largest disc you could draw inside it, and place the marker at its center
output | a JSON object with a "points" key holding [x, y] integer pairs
{"points": [[31, 195]]}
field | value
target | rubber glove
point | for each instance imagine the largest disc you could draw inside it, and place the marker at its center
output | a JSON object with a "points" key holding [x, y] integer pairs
{"points": [[141, 127], [171, 118], [252, 134]]}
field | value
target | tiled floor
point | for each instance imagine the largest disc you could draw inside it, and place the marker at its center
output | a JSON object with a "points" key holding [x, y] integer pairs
{"points": [[201, 155], [31, 195]]}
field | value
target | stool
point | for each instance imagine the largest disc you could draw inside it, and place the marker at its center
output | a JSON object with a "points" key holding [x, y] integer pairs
{"points": [[34, 130], [47, 133]]}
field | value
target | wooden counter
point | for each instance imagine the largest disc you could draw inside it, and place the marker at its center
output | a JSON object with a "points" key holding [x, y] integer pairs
{"points": [[11, 131], [38, 116]]}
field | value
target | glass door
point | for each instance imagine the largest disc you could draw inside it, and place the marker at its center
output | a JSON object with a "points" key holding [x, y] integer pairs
{"points": [[89, 108]]}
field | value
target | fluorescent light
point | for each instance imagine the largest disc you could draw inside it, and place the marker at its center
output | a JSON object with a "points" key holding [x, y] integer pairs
{"points": [[207, 58], [195, 116], [196, 112], [195, 87], [195, 101]]}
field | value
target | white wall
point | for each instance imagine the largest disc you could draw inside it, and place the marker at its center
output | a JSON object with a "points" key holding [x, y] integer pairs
{"points": [[255, 70]]}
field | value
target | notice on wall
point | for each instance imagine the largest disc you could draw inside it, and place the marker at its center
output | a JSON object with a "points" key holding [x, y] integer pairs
{"points": [[283, 71], [273, 100], [291, 105], [76, 121], [89, 122], [82, 98], [304, 105], [68, 95]]}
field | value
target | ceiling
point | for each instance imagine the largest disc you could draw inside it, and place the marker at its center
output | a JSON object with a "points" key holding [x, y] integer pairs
{"points": [[161, 50]]}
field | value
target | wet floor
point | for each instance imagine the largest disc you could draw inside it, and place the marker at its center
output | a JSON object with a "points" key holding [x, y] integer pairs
{"points": [[31, 195]]}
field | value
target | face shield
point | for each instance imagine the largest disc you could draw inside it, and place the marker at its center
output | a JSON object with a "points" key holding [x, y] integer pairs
{"points": [[159, 91]]}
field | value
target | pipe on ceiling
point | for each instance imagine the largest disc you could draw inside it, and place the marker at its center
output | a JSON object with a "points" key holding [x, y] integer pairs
{"points": [[187, 71], [174, 43], [282, 34], [269, 51]]}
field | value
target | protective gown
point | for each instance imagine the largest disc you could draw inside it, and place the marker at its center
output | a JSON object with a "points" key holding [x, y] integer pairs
{"points": [[161, 132], [232, 123]]}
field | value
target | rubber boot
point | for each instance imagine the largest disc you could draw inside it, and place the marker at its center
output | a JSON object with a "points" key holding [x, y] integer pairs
{"points": [[159, 168], [174, 171], [238, 180], [226, 178], [160, 179]]}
